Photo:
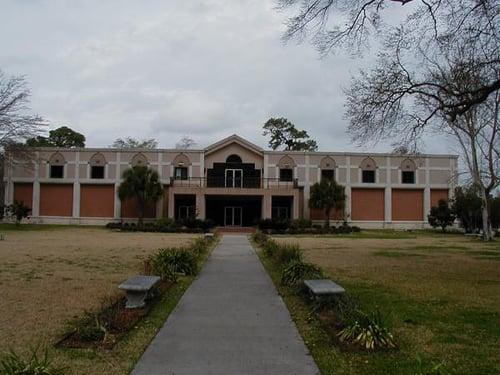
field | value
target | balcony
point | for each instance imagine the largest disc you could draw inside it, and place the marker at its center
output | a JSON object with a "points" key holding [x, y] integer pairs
{"points": [[236, 183]]}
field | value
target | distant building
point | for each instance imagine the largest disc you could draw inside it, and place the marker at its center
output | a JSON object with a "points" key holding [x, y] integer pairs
{"points": [[232, 182]]}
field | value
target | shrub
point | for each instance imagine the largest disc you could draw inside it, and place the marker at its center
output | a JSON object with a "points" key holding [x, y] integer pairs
{"points": [[200, 245], [170, 261], [260, 238], [165, 222], [286, 253], [369, 331], [14, 364], [18, 211], [300, 224], [296, 271], [441, 215], [270, 248]]}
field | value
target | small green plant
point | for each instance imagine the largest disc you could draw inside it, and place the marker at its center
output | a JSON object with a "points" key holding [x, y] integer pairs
{"points": [[18, 211], [369, 331], [284, 254], [431, 368], [14, 364], [270, 247], [200, 245], [441, 215], [296, 271], [260, 238], [170, 261], [88, 327]]}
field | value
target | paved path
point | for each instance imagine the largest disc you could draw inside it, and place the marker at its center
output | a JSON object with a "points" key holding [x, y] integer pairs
{"points": [[230, 321]]}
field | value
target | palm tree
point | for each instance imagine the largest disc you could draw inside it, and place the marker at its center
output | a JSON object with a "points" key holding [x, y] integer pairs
{"points": [[141, 183], [327, 195]]}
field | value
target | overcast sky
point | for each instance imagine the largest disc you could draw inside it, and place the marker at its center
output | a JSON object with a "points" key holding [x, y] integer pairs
{"points": [[164, 69]]}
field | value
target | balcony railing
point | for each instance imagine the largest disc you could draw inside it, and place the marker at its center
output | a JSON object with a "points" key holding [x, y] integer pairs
{"points": [[244, 183]]}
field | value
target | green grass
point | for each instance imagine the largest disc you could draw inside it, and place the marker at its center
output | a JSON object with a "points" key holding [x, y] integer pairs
{"points": [[364, 234], [428, 331]]}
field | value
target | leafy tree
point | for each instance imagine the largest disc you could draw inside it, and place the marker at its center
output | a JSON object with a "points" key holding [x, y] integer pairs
{"points": [[63, 137], [185, 143], [132, 143], [441, 215], [141, 183], [327, 195], [284, 134], [467, 207]]}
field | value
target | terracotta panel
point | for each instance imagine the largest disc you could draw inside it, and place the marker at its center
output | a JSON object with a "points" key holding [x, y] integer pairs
{"points": [[24, 193], [129, 209], [368, 204], [56, 199], [407, 204], [97, 200], [437, 194]]}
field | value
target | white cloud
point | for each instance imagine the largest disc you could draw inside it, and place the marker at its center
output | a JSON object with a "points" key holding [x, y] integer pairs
{"points": [[166, 68]]}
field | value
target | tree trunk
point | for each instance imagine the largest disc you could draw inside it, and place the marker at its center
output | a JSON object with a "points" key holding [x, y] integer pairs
{"points": [[476, 175], [327, 219]]}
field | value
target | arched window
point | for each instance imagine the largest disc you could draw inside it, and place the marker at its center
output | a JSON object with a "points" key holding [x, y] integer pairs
{"points": [[368, 169], [233, 159], [97, 165], [286, 165], [139, 160], [181, 163], [408, 169], [327, 166], [57, 163]]}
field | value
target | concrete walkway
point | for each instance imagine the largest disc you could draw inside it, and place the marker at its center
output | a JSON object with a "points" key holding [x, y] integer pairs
{"points": [[230, 321]]}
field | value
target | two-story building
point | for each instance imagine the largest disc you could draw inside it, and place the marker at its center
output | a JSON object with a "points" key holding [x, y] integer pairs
{"points": [[232, 182]]}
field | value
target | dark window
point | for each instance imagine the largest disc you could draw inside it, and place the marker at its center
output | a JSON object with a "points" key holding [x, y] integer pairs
{"points": [[56, 171], [181, 173], [368, 176], [97, 171], [327, 174], [280, 213], [234, 159], [408, 177], [186, 212], [286, 174]]}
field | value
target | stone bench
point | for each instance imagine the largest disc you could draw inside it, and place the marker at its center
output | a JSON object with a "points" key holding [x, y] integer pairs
{"points": [[209, 235], [138, 289], [324, 287]]}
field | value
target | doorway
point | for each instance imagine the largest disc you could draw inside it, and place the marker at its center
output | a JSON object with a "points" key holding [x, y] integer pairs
{"points": [[234, 178], [233, 216]]}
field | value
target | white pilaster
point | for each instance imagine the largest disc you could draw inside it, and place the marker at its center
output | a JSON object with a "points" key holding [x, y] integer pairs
{"points": [[307, 188], [76, 186], [427, 190], [35, 209], [118, 203], [348, 189], [388, 192]]}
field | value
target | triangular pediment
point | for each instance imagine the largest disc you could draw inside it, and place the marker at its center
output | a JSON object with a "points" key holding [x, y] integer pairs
{"points": [[234, 139]]}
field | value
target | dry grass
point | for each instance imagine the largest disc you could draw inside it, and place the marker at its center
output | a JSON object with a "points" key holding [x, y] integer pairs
{"points": [[442, 290], [49, 276]]}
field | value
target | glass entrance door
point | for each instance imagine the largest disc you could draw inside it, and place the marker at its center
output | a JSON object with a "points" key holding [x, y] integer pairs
{"points": [[234, 178], [233, 216]]}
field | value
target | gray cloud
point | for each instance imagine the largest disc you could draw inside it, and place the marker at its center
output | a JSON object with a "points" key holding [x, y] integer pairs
{"points": [[166, 68]]}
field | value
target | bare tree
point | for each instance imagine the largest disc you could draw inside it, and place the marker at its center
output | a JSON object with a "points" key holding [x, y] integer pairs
{"points": [[132, 143], [185, 143], [16, 123]]}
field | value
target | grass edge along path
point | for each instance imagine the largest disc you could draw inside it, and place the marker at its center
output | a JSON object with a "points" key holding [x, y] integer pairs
{"points": [[129, 349]]}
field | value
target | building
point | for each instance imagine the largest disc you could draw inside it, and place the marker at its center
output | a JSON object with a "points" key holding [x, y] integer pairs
{"points": [[232, 182]]}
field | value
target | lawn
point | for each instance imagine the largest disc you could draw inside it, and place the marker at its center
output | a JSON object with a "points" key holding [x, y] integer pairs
{"points": [[50, 274], [441, 293]]}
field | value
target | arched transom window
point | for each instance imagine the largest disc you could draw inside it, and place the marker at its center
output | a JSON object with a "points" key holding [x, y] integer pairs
{"points": [[327, 166], [368, 170], [286, 165], [181, 163], [57, 163], [408, 168], [97, 166], [139, 160]]}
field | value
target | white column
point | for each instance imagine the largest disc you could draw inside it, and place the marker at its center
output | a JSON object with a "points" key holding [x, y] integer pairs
{"points": [[348, 189], [171, 204], [118, 203], [76, 186], [35, 210], [427, 190], [200, 205], [388, 191], [307, 188]]}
